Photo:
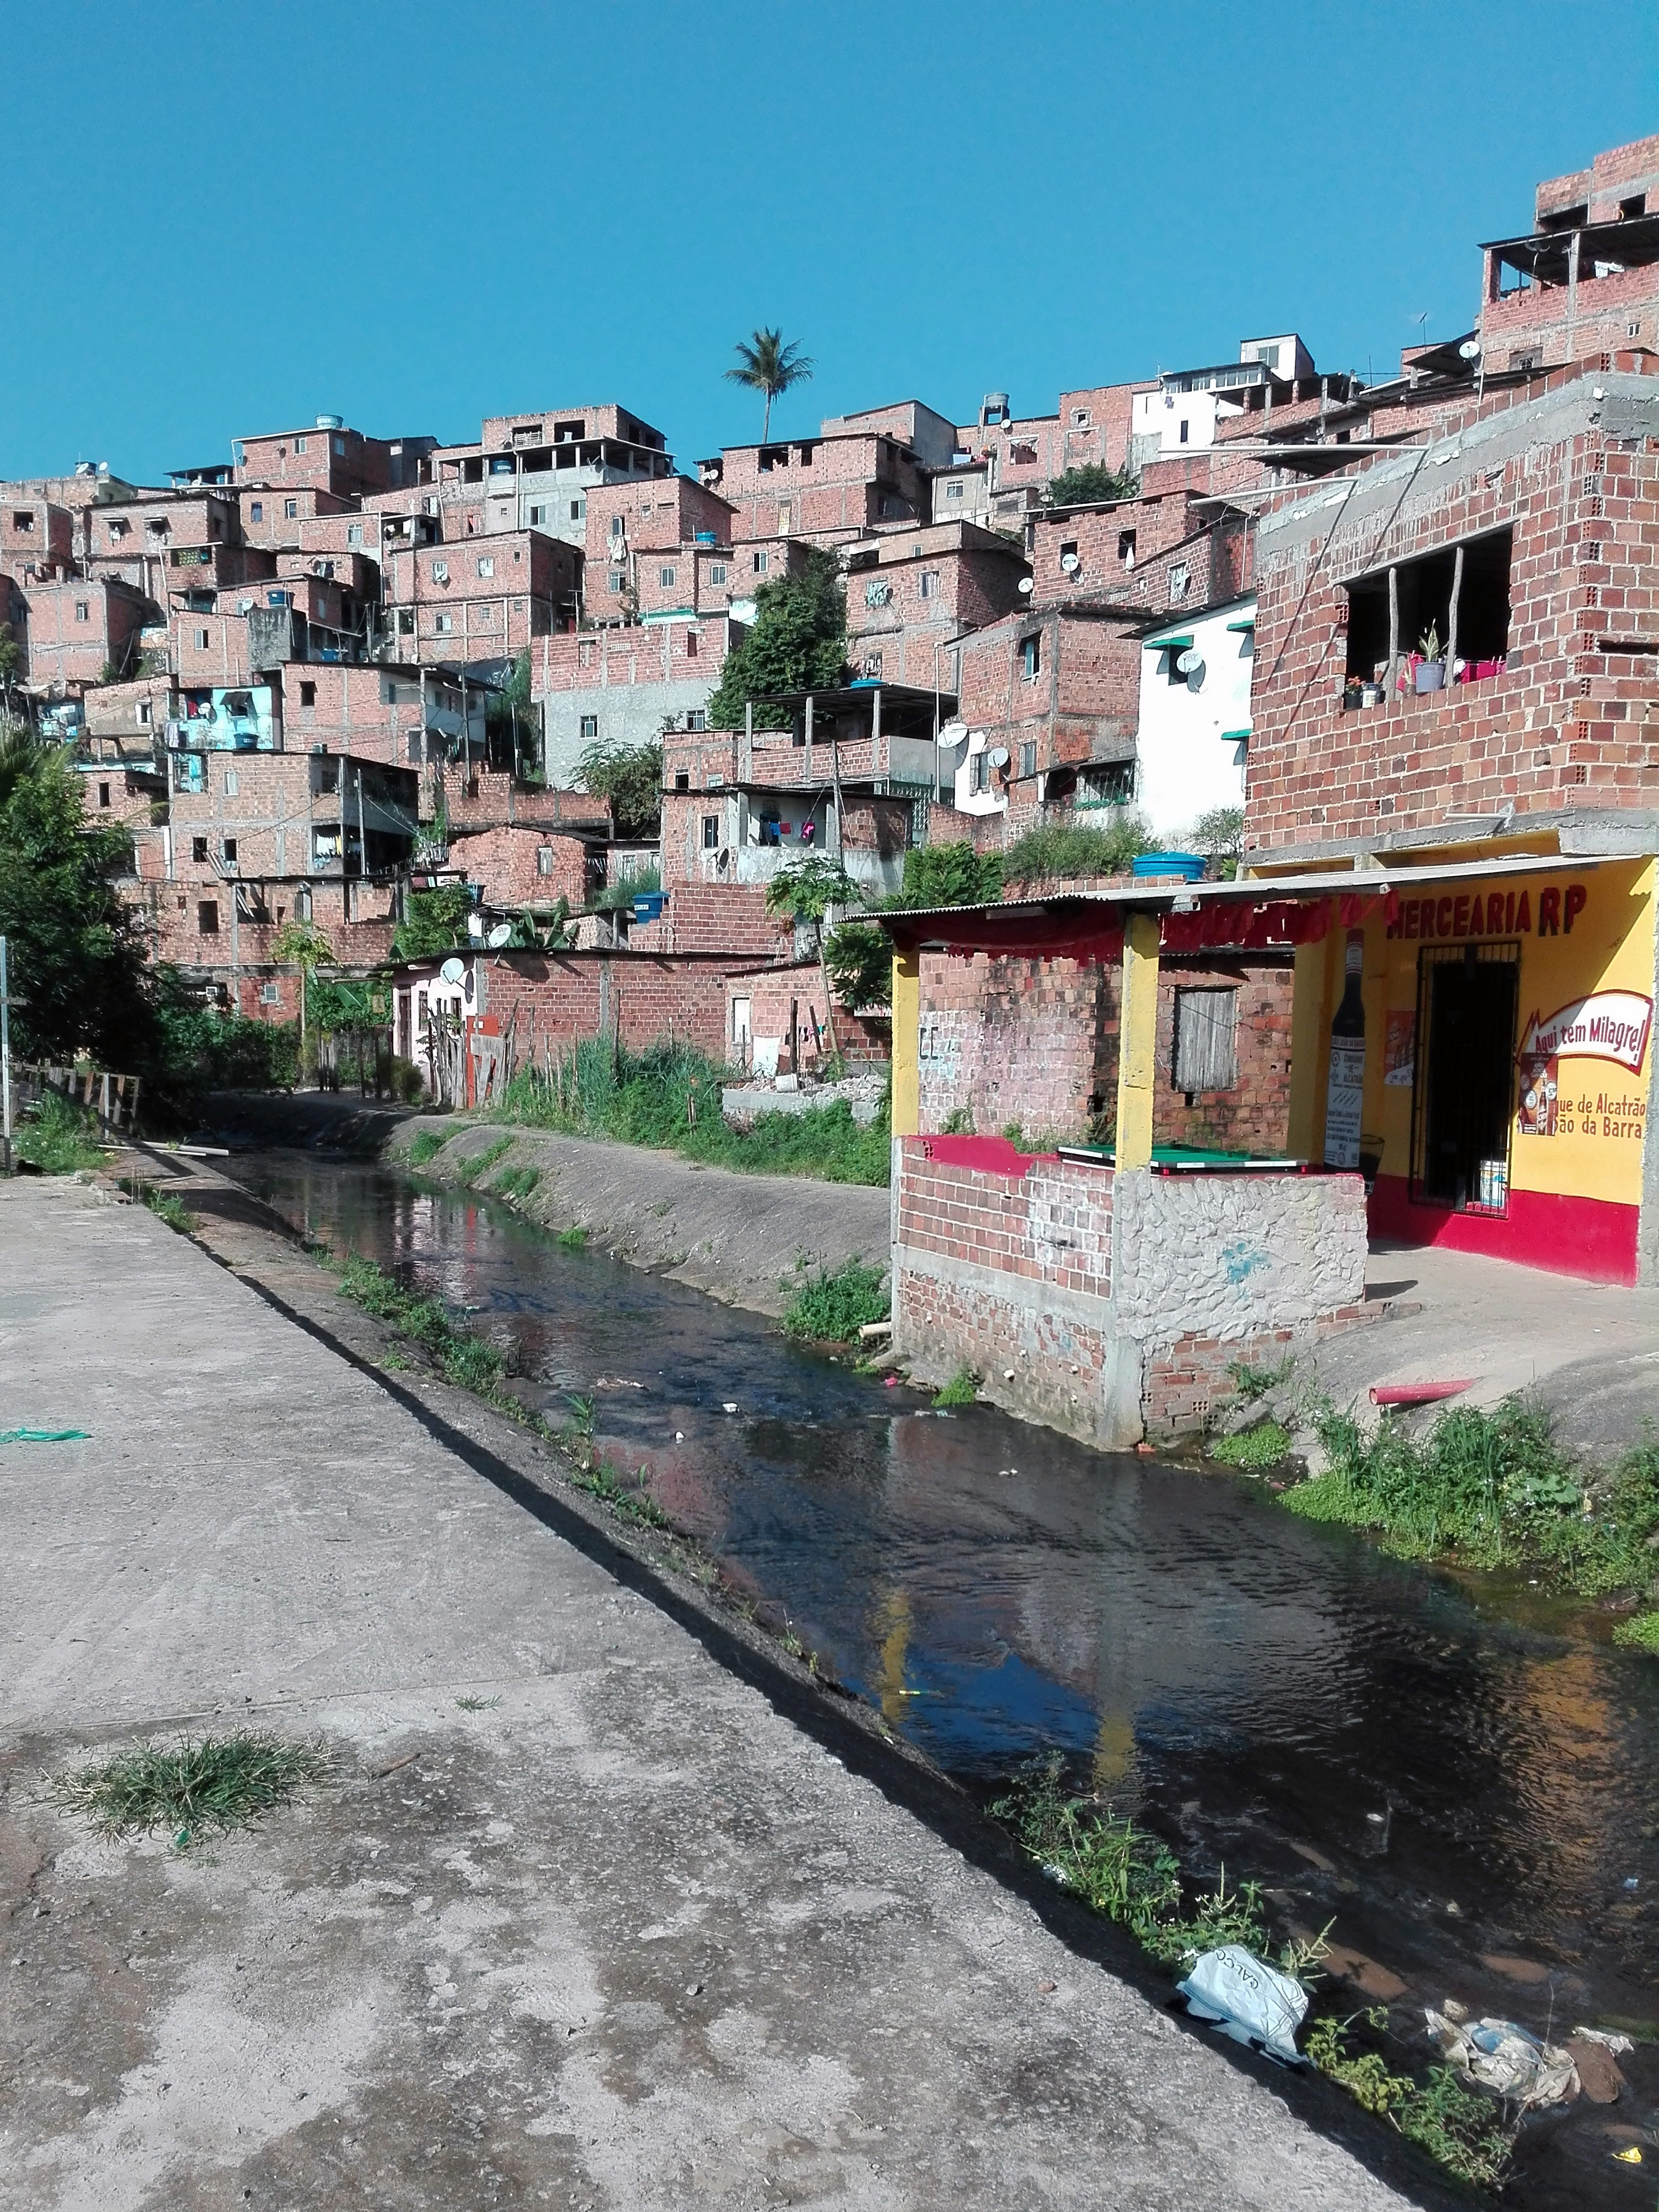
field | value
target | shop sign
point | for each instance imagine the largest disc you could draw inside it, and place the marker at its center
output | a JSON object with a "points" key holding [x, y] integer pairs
{"points": [[1454, 914], [1607, 1025]]}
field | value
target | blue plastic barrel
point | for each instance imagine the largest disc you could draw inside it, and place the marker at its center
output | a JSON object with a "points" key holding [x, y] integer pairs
{"points": [[1191, 865]]}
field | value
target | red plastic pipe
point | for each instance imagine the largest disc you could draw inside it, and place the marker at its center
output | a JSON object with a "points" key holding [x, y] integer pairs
{"points": [[1417, 1393]]}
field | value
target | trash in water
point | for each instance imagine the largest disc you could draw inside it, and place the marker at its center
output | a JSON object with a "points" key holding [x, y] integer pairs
{"points": [[1619, 2044], [45, 1436], [1632, 1882], [679, 1436], [1630, 2156], [890, 1383], [1249, 2000], [730, 1406], [1507, 2058]]}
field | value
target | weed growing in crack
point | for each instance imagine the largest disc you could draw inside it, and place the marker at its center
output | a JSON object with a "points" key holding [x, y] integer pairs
{"points": [[473, 1705], [1461, 2130], [193, 1786], [1263, 1446], [574, 1238], [962, 1389], [425, 1144], [831, 1308]]}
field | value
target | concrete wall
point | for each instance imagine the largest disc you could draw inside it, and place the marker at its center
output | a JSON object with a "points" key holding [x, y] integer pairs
{"points": [[1110, 1305], [1184, 767]]}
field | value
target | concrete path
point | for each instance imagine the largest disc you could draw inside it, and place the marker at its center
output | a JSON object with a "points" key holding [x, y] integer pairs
{"points": [[617, 1932], [1588, 1351]]}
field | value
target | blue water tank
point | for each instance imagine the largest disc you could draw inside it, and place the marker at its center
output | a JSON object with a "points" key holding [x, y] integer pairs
{"points": [[648, 905], [1189, 865]]}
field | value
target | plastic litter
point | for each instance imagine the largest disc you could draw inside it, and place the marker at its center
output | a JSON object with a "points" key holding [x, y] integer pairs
{"points": [[1630, 2156], [1247, 2000], [1506, 2058], [44, 1436]]}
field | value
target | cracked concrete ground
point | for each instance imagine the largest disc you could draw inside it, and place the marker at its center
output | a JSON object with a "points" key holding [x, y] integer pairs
{"points": [[618, 1933]]}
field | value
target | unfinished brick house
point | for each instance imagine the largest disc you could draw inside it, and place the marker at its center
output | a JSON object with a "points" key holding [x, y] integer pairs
{"points": [[825, 489], [912, 593], [253, 840], [534, 472], [476, 603], [623, 685], [1585, 280], [324, 456]]}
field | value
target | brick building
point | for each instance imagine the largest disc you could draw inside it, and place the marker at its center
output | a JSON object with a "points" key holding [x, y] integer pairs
{"points": [[327, 456], [825, 489], [912, 593], [479, 602], [1585, 279], [623, 685]]}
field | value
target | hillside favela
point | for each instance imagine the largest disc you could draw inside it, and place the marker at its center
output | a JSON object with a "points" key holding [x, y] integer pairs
{"points": [[830, 1345]]}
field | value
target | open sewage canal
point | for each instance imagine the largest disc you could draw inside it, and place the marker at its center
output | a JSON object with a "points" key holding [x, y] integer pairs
{"points": [[1461, 1777]]}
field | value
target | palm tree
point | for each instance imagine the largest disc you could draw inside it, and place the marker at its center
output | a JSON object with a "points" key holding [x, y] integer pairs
{"points": [[770, 366]]}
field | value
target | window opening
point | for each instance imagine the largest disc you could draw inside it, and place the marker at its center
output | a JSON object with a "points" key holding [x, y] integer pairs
{"points": [[1206, 1054], [1425, 592], [711, 832]]}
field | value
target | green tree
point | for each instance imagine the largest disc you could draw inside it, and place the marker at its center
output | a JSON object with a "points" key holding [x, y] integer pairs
{"points": [[807, 890], [302, 945], [510, 719], [858, 962], [798, 642], [767, 365], [630, 777], [11, 659], [1220, 835], [77, 975], [1090, 485], [948, 875], [436, 923]]}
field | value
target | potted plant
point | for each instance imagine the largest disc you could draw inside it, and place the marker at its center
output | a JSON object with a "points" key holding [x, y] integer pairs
{"points": [[1430, 670]]}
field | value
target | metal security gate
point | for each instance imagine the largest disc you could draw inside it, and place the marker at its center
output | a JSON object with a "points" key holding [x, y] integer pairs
{"points": [[1463, 1085]]}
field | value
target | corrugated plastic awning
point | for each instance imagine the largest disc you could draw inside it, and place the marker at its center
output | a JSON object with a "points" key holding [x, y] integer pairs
{"points": [[1248, 624], [1250, 913], [1168, 644]]}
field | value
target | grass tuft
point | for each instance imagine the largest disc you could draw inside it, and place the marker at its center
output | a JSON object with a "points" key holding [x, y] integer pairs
{"points": [[195, 1786], [426, 1144], [962, 1389], [475, 1170], [1461, 2130], [462, 1358], [1263, 1446], [1254, 1383], [1493, 1490], [573, 1238], [1639, 1633], [832, 1309], [58, 1137]]}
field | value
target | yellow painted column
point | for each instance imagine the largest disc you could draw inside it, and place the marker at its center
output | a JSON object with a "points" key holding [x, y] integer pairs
{"points": [[1137, 1042], [1311, 1008], [907, 1043]]}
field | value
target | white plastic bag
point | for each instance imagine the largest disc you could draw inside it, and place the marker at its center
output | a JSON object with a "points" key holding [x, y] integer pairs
{"points": [[1249, 2000]]}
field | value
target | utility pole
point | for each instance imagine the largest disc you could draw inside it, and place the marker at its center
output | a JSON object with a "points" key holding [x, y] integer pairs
{"points": [[5, 1064]]}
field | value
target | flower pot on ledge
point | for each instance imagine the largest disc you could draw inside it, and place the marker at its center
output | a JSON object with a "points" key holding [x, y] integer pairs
{"points": [[1430, 675]]}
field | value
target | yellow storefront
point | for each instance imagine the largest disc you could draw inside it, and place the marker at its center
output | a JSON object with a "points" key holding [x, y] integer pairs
{"points": [[1508, 1011]]}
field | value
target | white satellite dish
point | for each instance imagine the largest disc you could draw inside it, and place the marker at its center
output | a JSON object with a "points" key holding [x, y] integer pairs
{"points": [[951, 734], [1000, 756], [1469, 350], [1190, 663], [499, 936], [1026, 584], [453, 971], [1070, 563]]}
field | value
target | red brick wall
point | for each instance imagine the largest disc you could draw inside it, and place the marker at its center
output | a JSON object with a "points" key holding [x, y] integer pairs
{"points": [[1570, 723], [565, 997], [1034, 1043], [508, 863], [726, 918]]}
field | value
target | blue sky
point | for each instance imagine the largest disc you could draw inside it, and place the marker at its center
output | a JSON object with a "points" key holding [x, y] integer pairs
{"points": [[223, 219]]}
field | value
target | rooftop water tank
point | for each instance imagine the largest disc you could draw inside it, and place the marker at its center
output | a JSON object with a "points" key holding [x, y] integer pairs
{"points": [[331, 422]]}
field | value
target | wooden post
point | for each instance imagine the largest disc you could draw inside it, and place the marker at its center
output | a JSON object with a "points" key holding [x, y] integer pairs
{"points": [[1393, 631], [907, 1041], [1451, 615], [1137, 1042]]}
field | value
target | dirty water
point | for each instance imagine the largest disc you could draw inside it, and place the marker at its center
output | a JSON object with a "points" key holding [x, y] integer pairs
{"points": [[1462, 1778]]}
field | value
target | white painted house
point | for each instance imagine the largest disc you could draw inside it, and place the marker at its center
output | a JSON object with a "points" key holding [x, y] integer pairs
{"points": [[1194, 730]]}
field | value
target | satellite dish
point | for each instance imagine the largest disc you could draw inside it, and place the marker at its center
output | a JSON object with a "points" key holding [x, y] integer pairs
{"points": [[1026, 584], [499, 936], [1000, 756], [1190, 663], [1070, 563], [1469, 350], [453, 971], [951, 734]]}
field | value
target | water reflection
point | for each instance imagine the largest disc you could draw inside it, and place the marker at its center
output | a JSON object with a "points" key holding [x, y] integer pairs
{"points": [[1453, 1780]]}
